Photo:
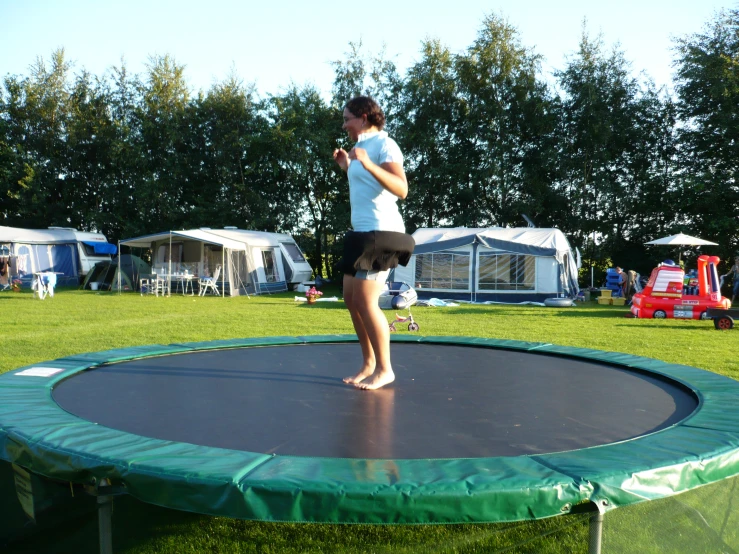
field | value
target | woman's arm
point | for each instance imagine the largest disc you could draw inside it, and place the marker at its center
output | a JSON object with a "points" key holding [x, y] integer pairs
{"points": [[390, 174], [341, 158]]}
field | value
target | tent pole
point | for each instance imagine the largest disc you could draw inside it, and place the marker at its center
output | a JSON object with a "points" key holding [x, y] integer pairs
{"points": [[223, 272], [592, 265], [119, 268], [169, 276]]}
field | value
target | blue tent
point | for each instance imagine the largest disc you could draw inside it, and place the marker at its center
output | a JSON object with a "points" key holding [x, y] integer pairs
{"points": [[495, 264], [35, 250]]}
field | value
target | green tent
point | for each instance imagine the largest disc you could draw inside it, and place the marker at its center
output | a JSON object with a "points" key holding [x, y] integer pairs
{"points": [[105, 274]]}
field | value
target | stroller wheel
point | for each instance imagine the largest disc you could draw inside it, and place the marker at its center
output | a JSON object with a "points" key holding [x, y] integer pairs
{"points": [[413, 327]]}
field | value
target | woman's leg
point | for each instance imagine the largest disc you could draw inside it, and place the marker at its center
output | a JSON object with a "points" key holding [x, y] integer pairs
{"points": [[365, 297], [368, 354]]}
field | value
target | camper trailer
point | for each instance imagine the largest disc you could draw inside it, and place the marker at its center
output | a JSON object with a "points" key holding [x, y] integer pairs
{"points": [[91, 247], [65, 251]]}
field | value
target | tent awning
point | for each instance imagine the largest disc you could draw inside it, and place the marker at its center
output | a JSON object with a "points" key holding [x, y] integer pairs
{"points": [[196, 234], [535, 242], [101, 247], [37, 236]]}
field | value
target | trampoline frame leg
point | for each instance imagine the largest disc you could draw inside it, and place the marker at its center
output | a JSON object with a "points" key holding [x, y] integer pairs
{"points": [[105, 522], [595, 533]]}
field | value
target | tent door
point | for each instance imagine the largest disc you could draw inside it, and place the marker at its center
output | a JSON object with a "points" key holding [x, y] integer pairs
{"points": [[269, 268], [267, 265]]}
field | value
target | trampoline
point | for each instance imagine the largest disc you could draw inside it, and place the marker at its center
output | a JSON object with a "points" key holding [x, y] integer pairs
{"points": [[472, 430]]}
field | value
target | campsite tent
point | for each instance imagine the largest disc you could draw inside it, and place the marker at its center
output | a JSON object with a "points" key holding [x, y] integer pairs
{"points": [[34, 250], [67, 252], [492, 264], [252, 262], [105, 274]]}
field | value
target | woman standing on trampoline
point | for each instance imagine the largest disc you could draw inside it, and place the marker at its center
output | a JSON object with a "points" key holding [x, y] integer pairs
{"points": [[378, 241]]}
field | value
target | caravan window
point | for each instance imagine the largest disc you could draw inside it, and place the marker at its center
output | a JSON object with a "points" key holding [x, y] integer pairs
{"points": [[443, 270], [293, 251], [506, 272]]}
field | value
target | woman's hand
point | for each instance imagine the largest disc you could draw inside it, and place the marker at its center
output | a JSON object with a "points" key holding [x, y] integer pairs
{"points": [[390, 175], [360, 154], [341, 158]]}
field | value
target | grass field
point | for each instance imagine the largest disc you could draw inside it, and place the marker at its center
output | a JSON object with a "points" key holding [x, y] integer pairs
{"points": [[76, 321]]}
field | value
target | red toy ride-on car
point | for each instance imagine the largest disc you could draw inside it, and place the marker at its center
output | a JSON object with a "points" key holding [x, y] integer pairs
{"points": [[664, 296]]}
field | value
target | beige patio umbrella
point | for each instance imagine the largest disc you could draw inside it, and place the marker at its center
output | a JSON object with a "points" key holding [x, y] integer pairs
{"points": [[681, 240]]}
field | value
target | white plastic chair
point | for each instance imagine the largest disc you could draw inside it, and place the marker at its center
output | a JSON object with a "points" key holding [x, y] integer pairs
{"points": [[161, 286], [209, 283], [43, 284]]}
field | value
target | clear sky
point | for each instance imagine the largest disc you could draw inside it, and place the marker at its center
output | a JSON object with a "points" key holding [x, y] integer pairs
{"points": [[275, 43]]}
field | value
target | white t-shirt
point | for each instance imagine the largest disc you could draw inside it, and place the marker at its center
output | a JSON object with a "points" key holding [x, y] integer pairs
{"points": [[374, 208]]}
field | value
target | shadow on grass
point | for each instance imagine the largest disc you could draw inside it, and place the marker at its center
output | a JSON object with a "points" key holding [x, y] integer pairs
{"points": [[322, 306], [140, 527], [534, 311], [67, 521], [698, 326], [598, 313]]}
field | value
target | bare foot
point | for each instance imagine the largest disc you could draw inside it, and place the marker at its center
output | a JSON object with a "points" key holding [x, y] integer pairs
{"points": [[365, 372], [377, 380]]}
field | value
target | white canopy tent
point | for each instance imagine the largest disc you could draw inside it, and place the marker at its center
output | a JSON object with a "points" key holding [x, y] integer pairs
{"points": [[199, 261], [252, 262]]}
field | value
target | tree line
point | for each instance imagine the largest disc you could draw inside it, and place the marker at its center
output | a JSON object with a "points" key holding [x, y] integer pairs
{"points": [[610, 159]]}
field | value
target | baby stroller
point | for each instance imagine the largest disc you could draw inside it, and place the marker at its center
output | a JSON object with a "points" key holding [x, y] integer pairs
{"points": [[399, 296]]}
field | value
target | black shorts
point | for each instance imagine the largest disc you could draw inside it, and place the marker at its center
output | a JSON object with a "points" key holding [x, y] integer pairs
{"points": [[375, 250]]}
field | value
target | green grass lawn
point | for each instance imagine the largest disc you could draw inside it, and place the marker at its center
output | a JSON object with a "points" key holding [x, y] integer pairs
{"points": [[75, 321]]}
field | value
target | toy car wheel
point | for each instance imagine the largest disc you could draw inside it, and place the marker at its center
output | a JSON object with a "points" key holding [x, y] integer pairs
{"points": [[704, 315], [413, 327], [659, 314], [723, 323], [392, 328]]}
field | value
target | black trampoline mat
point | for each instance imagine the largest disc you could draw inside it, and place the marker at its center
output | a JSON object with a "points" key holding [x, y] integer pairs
{"points": [[448, 401]]}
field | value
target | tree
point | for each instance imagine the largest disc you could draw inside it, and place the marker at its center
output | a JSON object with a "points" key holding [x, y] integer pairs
{"points": [[36, 114], [162, 119], [315, 191], [90, 164], [128, 163], [368, 75], [15, 174], [507, 121], [707, 85], [427, 132], [231, 160], [598, 132]]}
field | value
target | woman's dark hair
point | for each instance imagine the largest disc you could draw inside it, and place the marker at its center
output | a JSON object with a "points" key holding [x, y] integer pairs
{"points": [[364, 105]]}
